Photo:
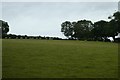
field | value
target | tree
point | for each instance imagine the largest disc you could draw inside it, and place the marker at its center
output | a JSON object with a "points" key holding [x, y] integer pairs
{"points": [[114, 25], [113, 30], [4, 28], [116, 16], [82, 29], [100, 30], [85, 30], [67, 29]]}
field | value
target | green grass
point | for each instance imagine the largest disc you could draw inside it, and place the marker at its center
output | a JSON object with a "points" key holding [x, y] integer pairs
{"points": [[59, 59]]}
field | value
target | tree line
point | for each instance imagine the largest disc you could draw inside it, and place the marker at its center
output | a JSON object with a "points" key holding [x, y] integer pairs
{"points": [[13, 36], [80, 30], [97, 31]]}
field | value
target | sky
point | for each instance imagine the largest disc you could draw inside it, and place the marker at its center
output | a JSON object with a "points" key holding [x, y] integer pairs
{"points": [[45, 18], [59, 0]]}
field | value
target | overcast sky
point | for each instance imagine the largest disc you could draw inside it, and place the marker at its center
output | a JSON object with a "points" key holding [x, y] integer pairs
{"points": [[60, 0], [45, 18]]}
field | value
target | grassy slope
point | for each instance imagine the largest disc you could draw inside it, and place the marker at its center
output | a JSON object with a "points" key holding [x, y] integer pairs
{"points": [[50, 58]]}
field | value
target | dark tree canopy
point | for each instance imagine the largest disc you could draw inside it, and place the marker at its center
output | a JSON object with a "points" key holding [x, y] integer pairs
{"points": [[77, 30], [114, 25], [4, 27], [117, 20], [82, 29], [67, 29], [100, 29], [85, 29]]}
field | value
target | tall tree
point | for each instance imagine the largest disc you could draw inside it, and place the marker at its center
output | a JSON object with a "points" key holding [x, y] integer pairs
{"points": [[100, 30], [4, 27], [116, 16], [67, 29], [114, 25], [82, 29]]}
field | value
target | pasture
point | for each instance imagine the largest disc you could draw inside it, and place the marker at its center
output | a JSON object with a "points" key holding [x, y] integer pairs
{"points": [[59, 59]]}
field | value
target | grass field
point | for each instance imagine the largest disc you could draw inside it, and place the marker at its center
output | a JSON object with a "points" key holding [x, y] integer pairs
{"points": [[59, 59]]}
